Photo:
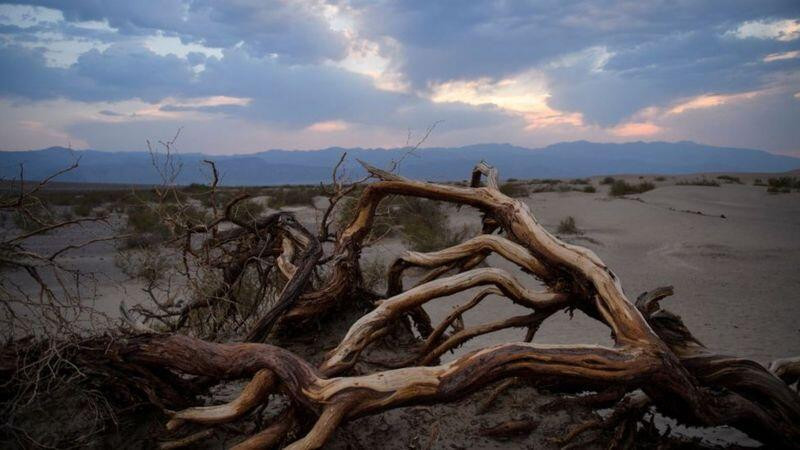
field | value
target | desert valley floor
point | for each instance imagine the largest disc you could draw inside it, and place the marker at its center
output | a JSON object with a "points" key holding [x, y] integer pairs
{"points": [[731, 252]]}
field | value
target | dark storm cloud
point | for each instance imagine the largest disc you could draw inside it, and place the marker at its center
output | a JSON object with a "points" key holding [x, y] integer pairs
{"points": [[659, 49], [23, 74], [301, 95], [294, 95], [121, 72], [659, 71], [453, 39]]}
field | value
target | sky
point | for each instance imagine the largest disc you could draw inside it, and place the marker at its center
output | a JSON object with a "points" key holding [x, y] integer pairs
{"points": [[249, 75]]}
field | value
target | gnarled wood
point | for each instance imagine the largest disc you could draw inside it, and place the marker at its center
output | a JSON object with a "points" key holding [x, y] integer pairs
{"points": [[655, 359], [361, 333], [664, 363]]}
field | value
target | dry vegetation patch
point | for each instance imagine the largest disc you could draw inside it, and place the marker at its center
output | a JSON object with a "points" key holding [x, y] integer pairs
{"points": [[622, 187], [783, 185], [568, 226], [698, 182]]}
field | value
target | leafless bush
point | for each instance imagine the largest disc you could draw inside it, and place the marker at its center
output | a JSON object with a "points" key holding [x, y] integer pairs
{"points": [[568, 226], [621, 187]]}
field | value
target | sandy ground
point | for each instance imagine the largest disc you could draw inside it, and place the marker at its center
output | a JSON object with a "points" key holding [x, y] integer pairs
{"points": [[736, 277]]}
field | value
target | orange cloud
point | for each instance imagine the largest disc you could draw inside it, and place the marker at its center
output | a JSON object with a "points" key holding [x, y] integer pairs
{"points": [[709, 101], [636, 129]]}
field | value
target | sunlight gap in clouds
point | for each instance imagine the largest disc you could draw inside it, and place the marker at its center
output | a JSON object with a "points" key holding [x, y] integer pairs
{"points": [[165, 45], [364, 56], [525, 94], [60, 50]]}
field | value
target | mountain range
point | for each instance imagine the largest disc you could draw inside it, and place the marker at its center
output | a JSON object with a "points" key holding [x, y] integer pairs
{"points": [[275, 167]]}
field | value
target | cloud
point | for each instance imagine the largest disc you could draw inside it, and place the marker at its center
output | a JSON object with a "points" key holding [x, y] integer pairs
{"points": [[604, 60], [524, 95], [527, 72], [781, 30], [257, 89], [328, 126], [782, 56], [296, 31], [709, 101], [767, 121]]}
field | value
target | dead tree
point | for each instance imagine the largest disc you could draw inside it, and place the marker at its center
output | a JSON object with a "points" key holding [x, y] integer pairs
{"points": [[655, 362]]}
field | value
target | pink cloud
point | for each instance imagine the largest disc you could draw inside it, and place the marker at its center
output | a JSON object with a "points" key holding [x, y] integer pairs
{"points": [[782, 56], [636, 129]]}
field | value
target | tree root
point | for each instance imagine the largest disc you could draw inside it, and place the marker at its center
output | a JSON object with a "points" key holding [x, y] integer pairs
{"points": [[511, 427], [496, 392], [623, 420]]}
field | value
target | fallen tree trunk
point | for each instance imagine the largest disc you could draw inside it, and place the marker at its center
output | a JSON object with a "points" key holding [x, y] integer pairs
{"points": [[654, 360], [578, 278]]}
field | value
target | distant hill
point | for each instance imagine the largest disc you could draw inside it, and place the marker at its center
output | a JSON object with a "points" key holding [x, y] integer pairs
{"points": [[569, 159]]}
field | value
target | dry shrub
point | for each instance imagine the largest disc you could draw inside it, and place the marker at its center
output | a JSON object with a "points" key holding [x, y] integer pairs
{"points": [[425, 226], [783, 185], [568, 226], [293, 195], [698, 182], [148, 264], [373, 272], [247, 210], [730, 179], [513, 189], [145, 227], [621, 187]]}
